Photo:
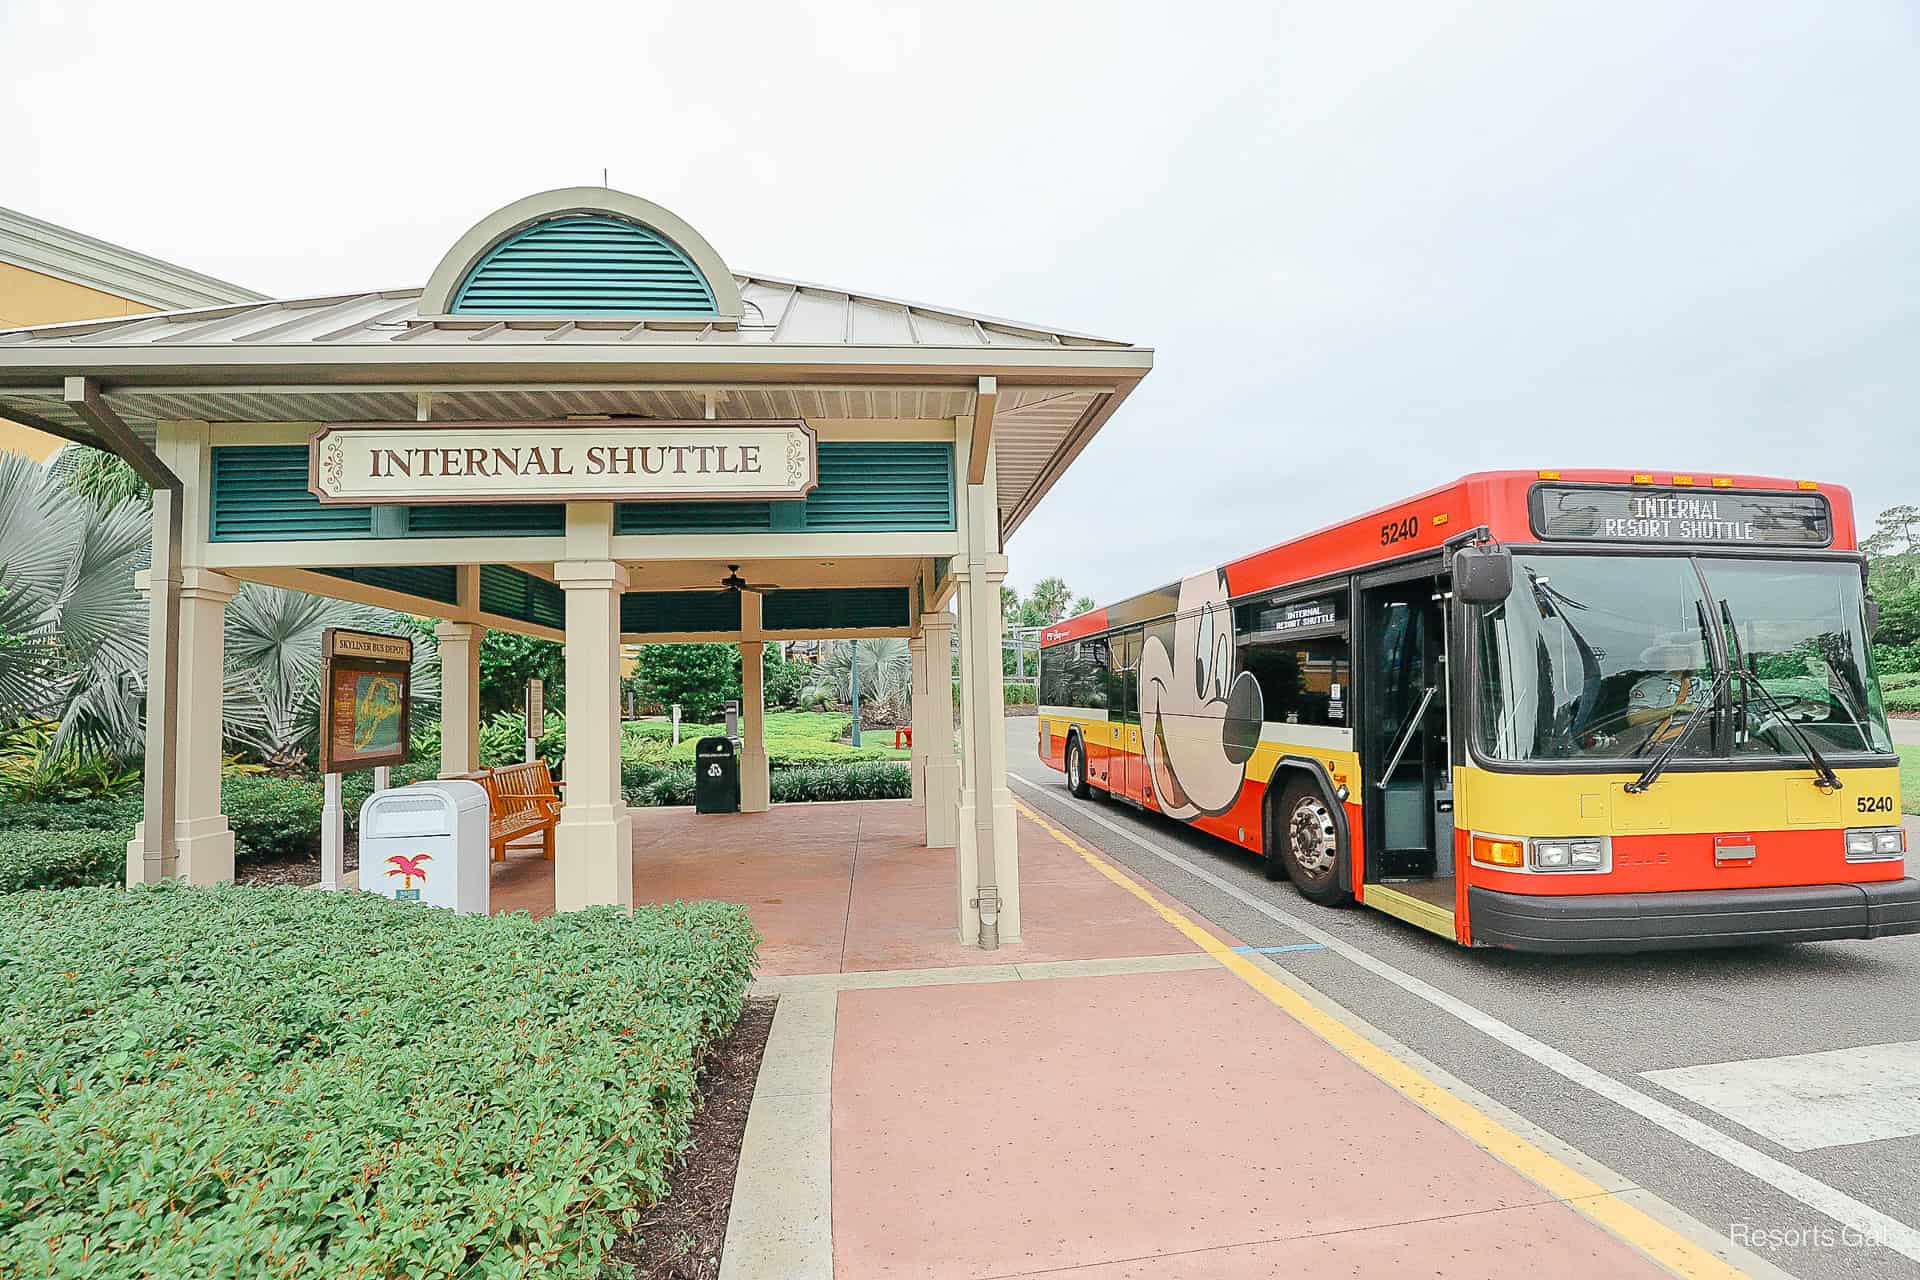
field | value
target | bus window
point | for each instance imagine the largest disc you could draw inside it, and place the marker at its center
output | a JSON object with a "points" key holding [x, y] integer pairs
{"points": [[1302, 681], [1074, 675]]}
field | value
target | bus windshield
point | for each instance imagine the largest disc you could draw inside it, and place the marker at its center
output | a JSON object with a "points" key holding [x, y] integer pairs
{"points": [[1606, 657]]}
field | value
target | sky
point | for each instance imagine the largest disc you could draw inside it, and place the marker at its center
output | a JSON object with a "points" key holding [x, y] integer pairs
{"points": [[1373, 246]]}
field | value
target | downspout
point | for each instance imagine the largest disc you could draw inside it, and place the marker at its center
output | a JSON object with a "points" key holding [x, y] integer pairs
{"points": [[158, 846]]}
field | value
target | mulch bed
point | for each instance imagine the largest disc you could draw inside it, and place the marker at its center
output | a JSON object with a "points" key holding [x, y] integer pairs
{"points": [[681, 1237], [294, 871]]}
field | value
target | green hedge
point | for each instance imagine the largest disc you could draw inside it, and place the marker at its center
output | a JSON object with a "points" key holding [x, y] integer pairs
{"points": [[274, 1082], [117, 813], [33, 858], [1020, 695], [650, 785]]}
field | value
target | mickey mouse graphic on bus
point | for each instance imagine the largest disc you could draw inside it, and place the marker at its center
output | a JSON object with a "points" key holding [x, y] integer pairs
{"points": [[1199, 719]]}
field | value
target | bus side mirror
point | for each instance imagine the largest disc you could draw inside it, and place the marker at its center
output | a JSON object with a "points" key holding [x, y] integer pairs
{"points": [[1873, 617], [1482, 575]]}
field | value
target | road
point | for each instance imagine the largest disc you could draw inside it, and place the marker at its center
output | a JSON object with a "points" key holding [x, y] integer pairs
{"points": [[1567, 1043]]}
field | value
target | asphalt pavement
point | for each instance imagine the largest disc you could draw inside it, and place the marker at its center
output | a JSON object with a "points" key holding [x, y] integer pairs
{"points": [[1813, 1162]]}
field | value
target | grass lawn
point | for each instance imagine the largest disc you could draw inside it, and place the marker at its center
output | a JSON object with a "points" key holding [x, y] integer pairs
{"points": [[793, 737], [1909, 778]]}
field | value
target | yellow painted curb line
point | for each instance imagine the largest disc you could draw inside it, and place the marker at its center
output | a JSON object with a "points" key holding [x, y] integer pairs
{"points": [[1646, 1233]]}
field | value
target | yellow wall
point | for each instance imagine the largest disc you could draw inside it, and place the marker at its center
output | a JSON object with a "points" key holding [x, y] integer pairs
{"points": [[28, 297]]}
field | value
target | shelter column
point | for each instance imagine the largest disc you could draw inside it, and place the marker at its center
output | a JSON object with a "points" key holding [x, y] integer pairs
{"points": [[756, 783], [917, 751], [933, 731], [987, 829], [203, 842], [460, 695], [593, 845]]}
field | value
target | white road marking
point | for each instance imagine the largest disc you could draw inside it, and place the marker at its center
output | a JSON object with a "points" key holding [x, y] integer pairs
{"points": [[1811, 1100], [1869, 1222]]}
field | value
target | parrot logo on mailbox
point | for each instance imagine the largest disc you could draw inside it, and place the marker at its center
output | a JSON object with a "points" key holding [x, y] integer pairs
{"points": [[408, 867]]}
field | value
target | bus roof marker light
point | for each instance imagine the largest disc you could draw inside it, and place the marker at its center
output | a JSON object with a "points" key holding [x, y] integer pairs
{"points": [[1440, 519], [1723, 482], [1549, 475], [1809, 484], [1642, 477], [1683, 480]]}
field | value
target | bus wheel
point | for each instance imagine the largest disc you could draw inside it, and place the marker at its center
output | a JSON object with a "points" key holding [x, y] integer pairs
{"points": [[1310, 846], [1077, 770]]}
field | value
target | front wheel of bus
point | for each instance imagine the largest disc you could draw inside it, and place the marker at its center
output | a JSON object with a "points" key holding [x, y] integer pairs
{"points": [[1077, 770], [1310, 846]]}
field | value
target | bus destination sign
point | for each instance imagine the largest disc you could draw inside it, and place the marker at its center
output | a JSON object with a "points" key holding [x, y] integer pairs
{"points": [[1709, 517]]}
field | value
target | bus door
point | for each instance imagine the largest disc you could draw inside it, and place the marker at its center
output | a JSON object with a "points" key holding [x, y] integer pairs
{"points": [[1123, 710], [1402, 732]]}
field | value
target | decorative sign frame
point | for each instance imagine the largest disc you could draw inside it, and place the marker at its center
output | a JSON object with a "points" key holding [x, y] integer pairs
{"points": [[377, 463], [366, 685]]}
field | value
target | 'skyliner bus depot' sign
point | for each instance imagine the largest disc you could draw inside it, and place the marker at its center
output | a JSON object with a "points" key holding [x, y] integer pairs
{"points": [[373, 463]]}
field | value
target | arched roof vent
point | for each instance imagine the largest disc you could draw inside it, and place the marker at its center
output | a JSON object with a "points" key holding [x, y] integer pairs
{"points": [[579, 253]]}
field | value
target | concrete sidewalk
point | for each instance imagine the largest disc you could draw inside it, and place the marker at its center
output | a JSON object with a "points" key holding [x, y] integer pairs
{"points": [[1128, 1093]]}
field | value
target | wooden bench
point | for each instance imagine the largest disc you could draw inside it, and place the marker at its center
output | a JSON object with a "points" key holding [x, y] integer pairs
{"points": [[521, 801]]}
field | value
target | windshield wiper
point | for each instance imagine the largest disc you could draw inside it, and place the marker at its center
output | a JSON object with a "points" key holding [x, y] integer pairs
{"points": [[1824, 776], [1658, 765]]}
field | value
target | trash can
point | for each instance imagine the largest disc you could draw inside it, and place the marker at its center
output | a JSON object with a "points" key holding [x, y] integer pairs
{"points": [[716, 776], [427, 843]]}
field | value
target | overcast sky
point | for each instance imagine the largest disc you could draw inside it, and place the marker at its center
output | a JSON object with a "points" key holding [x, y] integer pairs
{"points": [[1373, 246]]}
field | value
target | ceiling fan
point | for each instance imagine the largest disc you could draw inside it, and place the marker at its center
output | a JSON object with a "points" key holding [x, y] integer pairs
{"points": [[734, 582]]}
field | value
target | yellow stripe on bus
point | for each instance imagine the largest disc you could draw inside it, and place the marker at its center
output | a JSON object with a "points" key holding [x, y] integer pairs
{"points": [[1638, 1228]]}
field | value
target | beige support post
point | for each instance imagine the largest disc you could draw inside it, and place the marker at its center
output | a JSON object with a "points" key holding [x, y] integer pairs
{"points": [[593, 845], [917, 754], [933, 732], [150, 863], [988, 852], [756, 780], [203, 842], [459, 695]]}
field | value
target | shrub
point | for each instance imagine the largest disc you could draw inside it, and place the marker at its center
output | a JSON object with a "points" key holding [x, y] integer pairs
{"points": [[117, 814], [1906, 698], [273, 818], [37, 859], [858, 780], [1894, 659], [647, 785], [503, 739], [1900, 680], [1018, 694], [255, 1082]]}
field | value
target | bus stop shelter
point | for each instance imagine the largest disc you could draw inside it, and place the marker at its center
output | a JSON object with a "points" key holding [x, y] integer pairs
{"points": [[575, 431]]}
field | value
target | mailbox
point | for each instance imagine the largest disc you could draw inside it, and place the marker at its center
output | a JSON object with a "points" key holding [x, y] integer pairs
{"points": [[427, 843]]}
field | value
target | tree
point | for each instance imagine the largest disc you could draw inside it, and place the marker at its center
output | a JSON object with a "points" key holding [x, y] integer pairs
{"points": [[508, 661], [886, 677], [700, 677], [273, 667]]}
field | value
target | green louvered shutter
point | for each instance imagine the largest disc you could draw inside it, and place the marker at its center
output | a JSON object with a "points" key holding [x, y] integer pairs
{"points": [[882, 486], [260, 494], [583, 266]]}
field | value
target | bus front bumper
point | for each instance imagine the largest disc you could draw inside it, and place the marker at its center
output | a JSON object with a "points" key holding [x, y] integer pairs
{"points": [[1701, 918]]}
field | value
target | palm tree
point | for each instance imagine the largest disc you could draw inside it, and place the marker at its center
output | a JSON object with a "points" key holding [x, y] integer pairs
{"points": [[886, 677], [75, 629], [273, 663]]}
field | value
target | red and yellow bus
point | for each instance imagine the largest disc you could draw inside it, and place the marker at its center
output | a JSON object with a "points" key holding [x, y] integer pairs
{"points": [[1553, 711]]}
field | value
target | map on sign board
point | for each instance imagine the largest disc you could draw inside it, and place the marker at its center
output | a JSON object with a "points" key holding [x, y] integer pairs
{"points": [[366, 684]]}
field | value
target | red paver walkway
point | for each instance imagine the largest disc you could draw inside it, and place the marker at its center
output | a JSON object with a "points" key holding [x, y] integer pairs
{"points": [[841, 888], [1156, 1124]]}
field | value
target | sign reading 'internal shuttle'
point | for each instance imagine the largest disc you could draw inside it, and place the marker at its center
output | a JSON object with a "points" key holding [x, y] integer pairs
{"points": [[374, 463]]}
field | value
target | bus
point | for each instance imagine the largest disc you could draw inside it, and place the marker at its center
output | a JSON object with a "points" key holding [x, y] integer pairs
{"points": [[1564, 711]]}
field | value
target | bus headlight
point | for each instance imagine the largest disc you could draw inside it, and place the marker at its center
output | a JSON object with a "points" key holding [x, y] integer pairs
{"points": [[1587, 853], [1876, 844]]}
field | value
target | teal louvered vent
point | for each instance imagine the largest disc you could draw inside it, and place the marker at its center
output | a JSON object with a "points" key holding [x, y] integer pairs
{"points": [[882, 485], [439, 582], [513, 593], [487, 519], [658, 612], [260, 494], [584, 265], [693, 517], [835, 608]]}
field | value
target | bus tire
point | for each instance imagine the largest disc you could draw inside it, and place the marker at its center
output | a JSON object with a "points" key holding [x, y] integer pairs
{"points": [[1077, 769], [1309, 845]]}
